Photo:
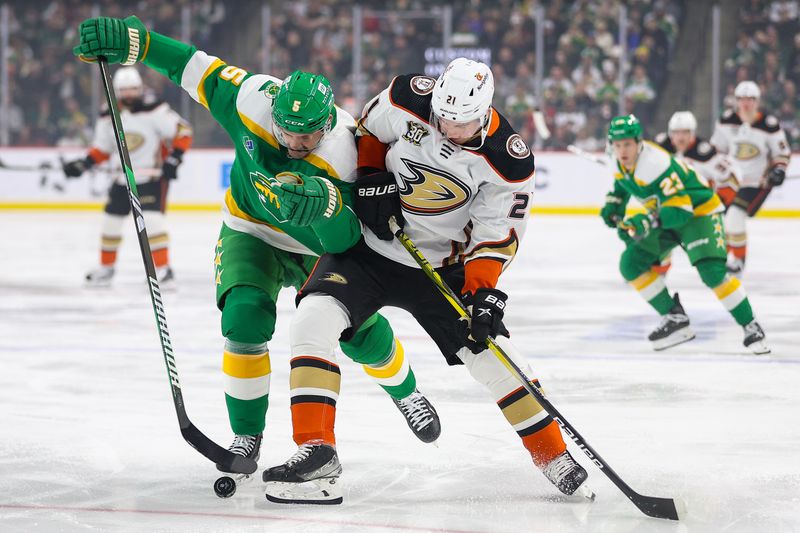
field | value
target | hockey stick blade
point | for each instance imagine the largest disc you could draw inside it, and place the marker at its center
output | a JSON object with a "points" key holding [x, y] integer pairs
{"points": [[199, 441], [654, 507]]}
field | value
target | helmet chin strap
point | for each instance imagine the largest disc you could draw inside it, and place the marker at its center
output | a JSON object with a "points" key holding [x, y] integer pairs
{"points": [[483, 131]]}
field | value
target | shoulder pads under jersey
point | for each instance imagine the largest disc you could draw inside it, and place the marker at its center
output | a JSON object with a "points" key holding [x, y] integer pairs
{"points": [[730, 117], [701, 151], [767, 123], [506, 151], [412, 93]]}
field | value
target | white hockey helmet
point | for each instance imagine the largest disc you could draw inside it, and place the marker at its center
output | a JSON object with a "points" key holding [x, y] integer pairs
{"points": [[682, 120], [747, 89], [464, 91], [127, 78]]}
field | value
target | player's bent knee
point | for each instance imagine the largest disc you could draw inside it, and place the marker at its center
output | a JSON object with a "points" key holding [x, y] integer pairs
{"points": [[372, 343], [485, 368], [712, 271], [317, 325], [631, 266], [248, 315]]}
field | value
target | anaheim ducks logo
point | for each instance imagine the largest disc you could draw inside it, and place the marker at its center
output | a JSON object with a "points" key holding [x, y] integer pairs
{"points": [[133, 140], [431, 191], [746, 151]]}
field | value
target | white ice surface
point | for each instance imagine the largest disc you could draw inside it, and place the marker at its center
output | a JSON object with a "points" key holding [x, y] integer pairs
{"points": [[89, 439]]}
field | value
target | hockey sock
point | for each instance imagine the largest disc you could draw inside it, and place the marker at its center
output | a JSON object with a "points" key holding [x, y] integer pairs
{"points": [[382, 357], [247, 376], [158, 238], [314, 384], [735, 221], [110, 239], [652, 288], [394, 374], [540, 434], [728, 289]]}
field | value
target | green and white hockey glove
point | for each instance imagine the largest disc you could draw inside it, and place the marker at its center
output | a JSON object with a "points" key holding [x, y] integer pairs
{"points": [[313, 200], [638, 226], [613, 211], [118, 40]]}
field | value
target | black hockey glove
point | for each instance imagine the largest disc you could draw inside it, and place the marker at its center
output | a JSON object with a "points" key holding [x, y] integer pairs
{"points": [[776, 176], [377, 200], [488, 307], [74, 169], [169, 170]]}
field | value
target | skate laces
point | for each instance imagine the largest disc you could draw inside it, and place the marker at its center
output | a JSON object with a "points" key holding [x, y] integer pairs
{"points": [[415, 409], [559, 467], [243, 444], [303, 452]]}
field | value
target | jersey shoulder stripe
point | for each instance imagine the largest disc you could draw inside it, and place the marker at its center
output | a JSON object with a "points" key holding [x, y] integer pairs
{"points": [[506, 151], [767, 123], [412, 93], [663, 140]]}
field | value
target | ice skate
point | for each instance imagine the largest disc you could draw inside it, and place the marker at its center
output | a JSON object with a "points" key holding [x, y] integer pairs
{"points": [[247, 446], [568, 476], [100, 276], [166, 277], [674, 328], [310, 476], [420, 416], [735, 266], [754, 339]]}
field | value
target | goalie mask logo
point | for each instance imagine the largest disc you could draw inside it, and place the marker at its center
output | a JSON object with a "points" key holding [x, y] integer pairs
{"points": [[431, 191], [745, 151]]}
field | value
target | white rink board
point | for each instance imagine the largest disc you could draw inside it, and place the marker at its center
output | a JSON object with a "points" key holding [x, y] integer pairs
{"points": [[563, 180]]}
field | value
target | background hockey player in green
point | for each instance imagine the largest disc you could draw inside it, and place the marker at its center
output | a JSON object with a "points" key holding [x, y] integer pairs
{"points": [[682, 210], [283, 131]]}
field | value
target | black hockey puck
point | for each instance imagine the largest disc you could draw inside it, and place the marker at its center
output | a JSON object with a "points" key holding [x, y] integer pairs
{"points": [[225, 487]]}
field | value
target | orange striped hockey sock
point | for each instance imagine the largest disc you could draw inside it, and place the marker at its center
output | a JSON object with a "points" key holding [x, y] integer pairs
{"points": [[314, 384], [540, 434]]}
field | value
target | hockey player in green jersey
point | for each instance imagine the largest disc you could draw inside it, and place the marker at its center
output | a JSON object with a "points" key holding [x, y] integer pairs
{"points": [[284, 132], [681, 210]]}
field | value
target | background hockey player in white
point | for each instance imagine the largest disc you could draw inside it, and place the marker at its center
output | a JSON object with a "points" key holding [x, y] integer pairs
{"points": [[439, 158], [757, 143], [157, 138]]}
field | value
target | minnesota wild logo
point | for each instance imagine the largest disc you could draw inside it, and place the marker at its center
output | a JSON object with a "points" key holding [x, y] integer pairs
{"points": [[263, 186]]}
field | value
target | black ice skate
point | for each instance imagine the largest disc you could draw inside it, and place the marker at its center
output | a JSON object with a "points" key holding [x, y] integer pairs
{"points": [[420, 416], [100, 276], [247, 446], [674, 328], [310, 476], [166, 277], [735, 266], [567, 475], [754, 339]]}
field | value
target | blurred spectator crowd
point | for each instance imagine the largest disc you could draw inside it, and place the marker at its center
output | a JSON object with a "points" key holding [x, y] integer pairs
{"points": [[768, 51], [51, 91]]}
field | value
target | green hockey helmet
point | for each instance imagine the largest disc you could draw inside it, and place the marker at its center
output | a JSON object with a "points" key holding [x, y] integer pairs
{"points": [[304, 104], [624, 127]]}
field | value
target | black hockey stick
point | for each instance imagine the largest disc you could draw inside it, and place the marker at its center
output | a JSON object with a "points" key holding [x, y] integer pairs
{"points": [[649, 505], [229, 461]]}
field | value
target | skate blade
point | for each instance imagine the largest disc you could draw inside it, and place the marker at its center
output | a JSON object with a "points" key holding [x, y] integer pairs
{"points": [[759, 348], [678, 337], [322, 491], [585, 492]]}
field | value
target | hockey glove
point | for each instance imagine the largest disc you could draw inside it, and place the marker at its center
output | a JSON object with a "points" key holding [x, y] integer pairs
{"points": [[776, 176], [74, 169], [488, 307], [638, 226], [377, 200], [312, 201], [169, 170], [118, 40], [613, 211]]}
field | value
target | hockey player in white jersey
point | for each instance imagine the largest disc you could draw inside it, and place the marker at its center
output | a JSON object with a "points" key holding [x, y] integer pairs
{"points": [[434, 154], [157, 139], [717, 168], [758, 145]]}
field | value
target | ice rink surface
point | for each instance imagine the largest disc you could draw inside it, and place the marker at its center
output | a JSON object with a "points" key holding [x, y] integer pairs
{"points": [[90, 440]]}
